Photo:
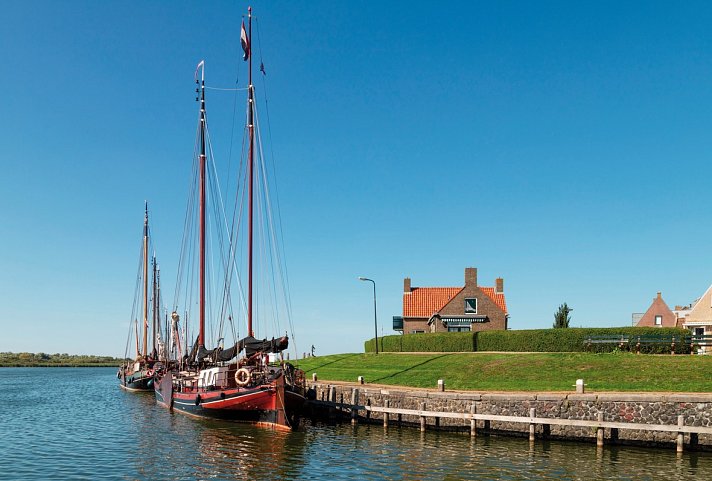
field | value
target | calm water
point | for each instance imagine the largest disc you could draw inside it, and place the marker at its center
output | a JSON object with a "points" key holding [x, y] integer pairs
{"points": [[59, 423]]}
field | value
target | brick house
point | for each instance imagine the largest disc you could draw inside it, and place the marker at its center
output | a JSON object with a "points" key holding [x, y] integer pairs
{"points": [[453, 309], [658, 315], [697, 316]]}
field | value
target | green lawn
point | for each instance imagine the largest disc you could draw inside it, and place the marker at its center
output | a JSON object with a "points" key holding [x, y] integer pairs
{"points": [[520, 371]]}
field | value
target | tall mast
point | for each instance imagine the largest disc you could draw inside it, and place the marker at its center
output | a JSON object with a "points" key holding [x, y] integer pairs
{"points": [[201, 335], [251, 129], [145, 282], [154, 311]]}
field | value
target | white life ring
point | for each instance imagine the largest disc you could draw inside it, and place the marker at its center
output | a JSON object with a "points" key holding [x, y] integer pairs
{"points": [[242, 377]]}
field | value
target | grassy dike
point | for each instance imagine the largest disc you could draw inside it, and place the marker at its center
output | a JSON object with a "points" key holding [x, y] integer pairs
{"points": [[535, 372]]}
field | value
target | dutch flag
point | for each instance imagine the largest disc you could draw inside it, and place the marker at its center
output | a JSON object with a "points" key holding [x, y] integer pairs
{"points": [[245, 42]]}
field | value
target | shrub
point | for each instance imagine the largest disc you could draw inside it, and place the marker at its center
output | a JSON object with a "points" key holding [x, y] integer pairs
{"points": [[428, 342], [536, 340]]}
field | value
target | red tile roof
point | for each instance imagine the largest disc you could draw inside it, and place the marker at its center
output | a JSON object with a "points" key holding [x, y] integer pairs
{"points": [[498, 298], [426, 301]]}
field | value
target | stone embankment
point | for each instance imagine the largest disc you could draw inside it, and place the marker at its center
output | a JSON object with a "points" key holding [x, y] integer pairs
{"points": [[693, 410]]}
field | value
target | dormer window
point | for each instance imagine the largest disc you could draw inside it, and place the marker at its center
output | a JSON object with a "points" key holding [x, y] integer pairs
{"points": [[471, 305], [658, 320]]}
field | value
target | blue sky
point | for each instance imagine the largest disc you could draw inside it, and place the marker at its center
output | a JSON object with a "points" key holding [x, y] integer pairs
{"points": [[563, 146]]}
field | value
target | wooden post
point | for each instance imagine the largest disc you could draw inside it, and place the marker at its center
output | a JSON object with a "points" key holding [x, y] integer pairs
{"points": [[354, 406], [599, 432], [532, 426], [422, 418], [441, 385], [400, 419], [680, 435], [473, 421], [385, 415], [368, 413], [360, 379], [332, 401], [313, 377]]}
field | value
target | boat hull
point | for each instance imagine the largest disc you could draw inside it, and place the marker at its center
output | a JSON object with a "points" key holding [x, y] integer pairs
{"points": [[140, 381], [272, 404]]}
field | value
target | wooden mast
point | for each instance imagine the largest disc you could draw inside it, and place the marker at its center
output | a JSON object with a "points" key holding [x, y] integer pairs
{"points": [[201, 335], [145, 283], [154, 311], [251, 129]]}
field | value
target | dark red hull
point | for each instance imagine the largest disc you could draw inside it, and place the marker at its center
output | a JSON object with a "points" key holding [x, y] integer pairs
{"points": [[272, 404]]}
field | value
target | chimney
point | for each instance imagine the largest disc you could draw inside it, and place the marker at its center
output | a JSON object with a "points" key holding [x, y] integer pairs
{"points": [[499, 285], [659, 295], [406, 285], [471, 276]]}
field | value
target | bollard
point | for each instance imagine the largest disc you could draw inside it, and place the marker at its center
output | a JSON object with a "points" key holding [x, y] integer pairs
{"points": [[354, 408], [422, 418], [441, 385], [580, 389], [313, 377], [532, 426], [385, 414], [680, 435], [599, 432], [473, 421], [360, 379]]}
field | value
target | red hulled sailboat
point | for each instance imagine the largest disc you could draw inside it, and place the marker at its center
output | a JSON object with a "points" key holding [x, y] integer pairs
{"points": [[250, 380]]}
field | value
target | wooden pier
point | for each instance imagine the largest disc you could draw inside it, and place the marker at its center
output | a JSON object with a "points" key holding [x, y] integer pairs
{"points": [[471, 417]]}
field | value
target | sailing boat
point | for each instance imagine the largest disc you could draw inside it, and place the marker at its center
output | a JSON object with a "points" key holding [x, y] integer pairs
{"points": [[213, 383], [137, 374]]}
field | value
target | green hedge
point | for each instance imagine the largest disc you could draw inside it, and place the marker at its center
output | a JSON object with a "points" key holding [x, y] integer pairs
{"points": [[429, 342], [574, 340], [534, 340]]}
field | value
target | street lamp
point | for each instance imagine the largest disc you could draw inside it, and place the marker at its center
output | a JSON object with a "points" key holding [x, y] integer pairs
{"points": [[375, 315]]}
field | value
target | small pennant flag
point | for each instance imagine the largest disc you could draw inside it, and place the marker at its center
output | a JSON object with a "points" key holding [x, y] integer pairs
{"points": [[245, 42], [262, 69]]}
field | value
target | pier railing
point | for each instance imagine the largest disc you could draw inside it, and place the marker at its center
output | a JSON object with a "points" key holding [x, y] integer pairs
{"points": [[634, 343]]}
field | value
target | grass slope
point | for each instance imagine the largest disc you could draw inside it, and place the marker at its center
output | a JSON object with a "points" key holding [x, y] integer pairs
{"points": [[520, 371]]}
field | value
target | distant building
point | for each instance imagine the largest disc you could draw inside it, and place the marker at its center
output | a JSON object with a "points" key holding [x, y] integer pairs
{"points": [[658, 315], [453, 309], [697, 317]]}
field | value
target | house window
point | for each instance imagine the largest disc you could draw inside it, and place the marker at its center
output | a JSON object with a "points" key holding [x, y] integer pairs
{"points": [[658, 320], [471, 306], [459, 329]]}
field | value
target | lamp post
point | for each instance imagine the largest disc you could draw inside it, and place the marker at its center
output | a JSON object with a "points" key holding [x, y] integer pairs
{"points": [[375, 315]]}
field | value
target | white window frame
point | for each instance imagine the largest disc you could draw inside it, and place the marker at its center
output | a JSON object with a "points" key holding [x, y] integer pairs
{"points": [[658, 318]]}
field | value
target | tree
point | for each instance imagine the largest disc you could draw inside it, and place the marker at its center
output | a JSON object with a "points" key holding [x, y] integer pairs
{"points": [[562, 318]]}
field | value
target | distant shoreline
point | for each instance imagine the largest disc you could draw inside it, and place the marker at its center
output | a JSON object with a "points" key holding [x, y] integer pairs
{"points": [[60, 365], [41, 359]]}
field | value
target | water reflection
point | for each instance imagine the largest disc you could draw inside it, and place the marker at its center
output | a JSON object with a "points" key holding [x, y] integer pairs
{"points": [[79, 425]]}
